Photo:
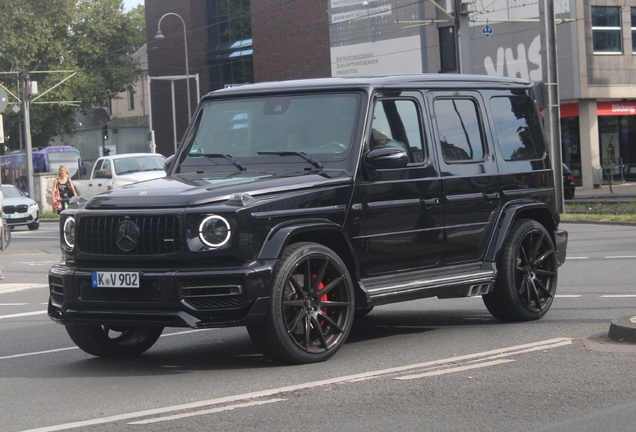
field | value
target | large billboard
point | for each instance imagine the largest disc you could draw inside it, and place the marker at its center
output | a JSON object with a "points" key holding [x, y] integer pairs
{"points": [[503, 39], [367, 37]]}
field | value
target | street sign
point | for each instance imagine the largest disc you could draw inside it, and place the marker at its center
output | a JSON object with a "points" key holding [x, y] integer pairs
{"points": [[4, 100], [487, 30]]}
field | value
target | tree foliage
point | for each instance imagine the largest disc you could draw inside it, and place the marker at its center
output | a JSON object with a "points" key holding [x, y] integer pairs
{"points": [[94, 38]]}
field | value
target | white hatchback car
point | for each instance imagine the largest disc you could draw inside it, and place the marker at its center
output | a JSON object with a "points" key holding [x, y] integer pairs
{"points": [[18, 209]]}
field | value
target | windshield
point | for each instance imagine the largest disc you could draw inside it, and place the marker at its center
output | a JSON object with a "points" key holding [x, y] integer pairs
{"points": [[256, 130], [138, 164]]}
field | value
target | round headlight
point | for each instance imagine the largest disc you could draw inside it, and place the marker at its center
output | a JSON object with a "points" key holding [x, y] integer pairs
{"points": [[68, 233], [214, 231]]}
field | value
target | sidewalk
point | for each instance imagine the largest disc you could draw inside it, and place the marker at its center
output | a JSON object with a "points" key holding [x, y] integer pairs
{"points": [[620, 192]]}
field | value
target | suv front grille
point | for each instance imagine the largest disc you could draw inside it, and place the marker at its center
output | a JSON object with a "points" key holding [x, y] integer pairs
{"points": [[157, 235], [10, 209]]}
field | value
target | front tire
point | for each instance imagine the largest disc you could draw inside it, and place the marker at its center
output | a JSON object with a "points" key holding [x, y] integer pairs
{"points": [[312, 306], [527, 279], [34, 225], [114, 342]]}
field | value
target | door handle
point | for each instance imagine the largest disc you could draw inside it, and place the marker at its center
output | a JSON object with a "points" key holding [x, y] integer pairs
{"points": [[431, 202], [492, 196]]}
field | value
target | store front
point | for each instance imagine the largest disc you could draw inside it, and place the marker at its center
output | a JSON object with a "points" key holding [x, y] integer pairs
{"points": [[616, 140]]}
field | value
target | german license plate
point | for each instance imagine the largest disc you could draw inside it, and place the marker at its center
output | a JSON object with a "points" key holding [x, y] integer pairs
{"points": [[101, 279]]}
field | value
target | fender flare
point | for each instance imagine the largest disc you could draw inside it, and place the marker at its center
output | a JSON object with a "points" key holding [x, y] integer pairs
{"points": [[507, 217], [282, 234]]}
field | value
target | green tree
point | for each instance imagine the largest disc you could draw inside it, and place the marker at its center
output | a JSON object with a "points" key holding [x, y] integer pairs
{"points": [[95, 38]]}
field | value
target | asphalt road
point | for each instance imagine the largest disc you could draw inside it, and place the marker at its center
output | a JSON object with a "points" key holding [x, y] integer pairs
{"points": [[435, 365]]}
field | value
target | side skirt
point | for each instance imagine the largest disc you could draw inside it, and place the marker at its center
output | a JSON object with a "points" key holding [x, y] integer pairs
{"points": [[464, 280]]}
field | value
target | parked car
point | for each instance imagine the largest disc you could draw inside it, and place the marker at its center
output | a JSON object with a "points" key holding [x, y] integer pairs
{"points": [[18, 209], [569, 185], [396, 188], [112, 172]]}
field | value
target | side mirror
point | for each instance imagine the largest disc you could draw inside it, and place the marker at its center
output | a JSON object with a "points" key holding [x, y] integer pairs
{"points": [[386, 157], [167, 163], [102, 174]]}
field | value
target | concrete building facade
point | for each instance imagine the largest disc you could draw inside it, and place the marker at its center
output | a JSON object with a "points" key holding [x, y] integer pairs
{"points": [[232, 42]]}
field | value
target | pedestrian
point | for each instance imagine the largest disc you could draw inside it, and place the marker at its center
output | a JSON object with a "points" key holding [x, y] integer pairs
{"points": [[63, 190]]}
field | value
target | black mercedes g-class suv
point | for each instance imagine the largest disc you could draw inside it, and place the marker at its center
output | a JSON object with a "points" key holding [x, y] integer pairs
{"points": [[292, 207]]}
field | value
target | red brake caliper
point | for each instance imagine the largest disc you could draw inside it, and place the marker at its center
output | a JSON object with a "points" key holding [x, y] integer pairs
{"points": [[324, 298]]}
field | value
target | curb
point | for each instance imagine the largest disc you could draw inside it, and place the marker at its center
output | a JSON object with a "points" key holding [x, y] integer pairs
{"points": [[623, 329]]}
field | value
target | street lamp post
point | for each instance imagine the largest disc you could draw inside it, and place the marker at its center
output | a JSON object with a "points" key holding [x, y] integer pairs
{"points": [[160, 35]]}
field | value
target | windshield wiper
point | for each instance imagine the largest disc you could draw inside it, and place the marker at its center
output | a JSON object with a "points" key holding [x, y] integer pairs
{"points": [[234, 162], [309, 159]]}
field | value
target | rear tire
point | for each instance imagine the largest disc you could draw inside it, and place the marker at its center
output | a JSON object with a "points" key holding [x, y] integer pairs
{"points": [[312, 306], [527, 279], [114, 342]]}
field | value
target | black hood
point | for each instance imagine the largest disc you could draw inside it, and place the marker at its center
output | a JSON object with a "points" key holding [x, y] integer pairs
{"points": [[184, 190]]}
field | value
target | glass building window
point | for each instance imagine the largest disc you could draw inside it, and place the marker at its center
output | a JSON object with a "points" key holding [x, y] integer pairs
{"points": [[447, 50], [606, 29], [633, 12], [230, 56], [131, 99]]}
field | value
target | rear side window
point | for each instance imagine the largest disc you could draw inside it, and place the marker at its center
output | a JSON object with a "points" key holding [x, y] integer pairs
{"points": [[460, 130], [517, 127]]}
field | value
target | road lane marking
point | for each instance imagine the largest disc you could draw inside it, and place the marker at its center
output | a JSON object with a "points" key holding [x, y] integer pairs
{"points": [[37, 353], [208, 411], [546, 344], [621, 257], [454, 369], [74, 348], [14, 304], [22, 314], [618, 296]]}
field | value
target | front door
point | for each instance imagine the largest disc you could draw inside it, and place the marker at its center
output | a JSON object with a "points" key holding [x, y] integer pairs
{"points": [[401, 207]]}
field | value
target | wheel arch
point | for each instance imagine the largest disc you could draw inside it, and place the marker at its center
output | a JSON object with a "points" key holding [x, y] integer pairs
{"points": [[321, 231], [514, 211]]}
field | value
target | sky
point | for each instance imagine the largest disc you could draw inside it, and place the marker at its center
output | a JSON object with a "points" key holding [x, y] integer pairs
{"points": [[130, 4]]}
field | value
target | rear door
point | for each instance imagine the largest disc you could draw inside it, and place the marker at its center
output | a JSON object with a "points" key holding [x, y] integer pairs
{"points": [[469, 172]]}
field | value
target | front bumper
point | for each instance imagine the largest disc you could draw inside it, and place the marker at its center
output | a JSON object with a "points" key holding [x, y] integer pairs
{"points": [[196, 298], [560, 244], [19, 219]]}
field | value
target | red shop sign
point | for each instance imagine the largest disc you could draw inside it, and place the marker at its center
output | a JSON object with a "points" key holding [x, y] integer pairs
{"points": [[616, 108]]}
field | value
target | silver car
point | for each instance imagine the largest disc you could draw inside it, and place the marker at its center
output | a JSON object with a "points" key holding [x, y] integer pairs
{"points": [[18, 209]]}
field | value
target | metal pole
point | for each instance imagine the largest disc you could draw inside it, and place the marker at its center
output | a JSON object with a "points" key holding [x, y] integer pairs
{"points": [[27, 130], [153, 145], [185, 42], [174, 117], [551, 96]]}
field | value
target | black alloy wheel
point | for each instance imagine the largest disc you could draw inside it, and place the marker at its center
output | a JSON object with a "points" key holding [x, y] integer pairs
{"points": [[527, 279], [312, 306]]}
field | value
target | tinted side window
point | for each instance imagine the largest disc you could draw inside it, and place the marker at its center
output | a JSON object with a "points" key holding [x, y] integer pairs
{"points": [[396, 123], [517, 127], [459, 129]]}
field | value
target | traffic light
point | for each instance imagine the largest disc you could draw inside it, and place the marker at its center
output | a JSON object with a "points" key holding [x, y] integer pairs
{"points": [[105, 132]]}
